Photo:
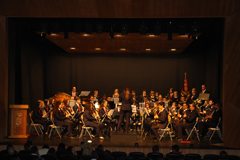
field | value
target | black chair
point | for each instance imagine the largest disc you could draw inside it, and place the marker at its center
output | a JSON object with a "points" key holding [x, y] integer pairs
{"points": [[233, 157], [49, 157], [193, 156], [28, 157], [7, 157], [136, 155], [109, 158], [86, 157], [174, 156], [24, 152], [142, 158], [184, 159], [79, 153], [67, 156], [116, 155], [154, 155], [211, 157], [4, 152], [129, 158]]}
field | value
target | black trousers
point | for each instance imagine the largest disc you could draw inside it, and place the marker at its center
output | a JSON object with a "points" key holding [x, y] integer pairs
{"points": [[67, 124], [127, 114], [95, 126], [43, 123], [203, 127], [180, 126]]}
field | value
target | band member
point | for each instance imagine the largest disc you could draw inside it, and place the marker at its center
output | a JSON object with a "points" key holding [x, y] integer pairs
{"points": [[156, 96], [104, 115], [160, 98], [152, 96], [115, 116], [193, 96], [144, 94], [211, 121], [135, 99], [95, 94], [135, 118], [74, 93], [126, 99], [170, 93], [61, 118], [204, 89], [51, 102], [175, 97], [39, 115], [173, 110], [190, 119], [78, 106], [182, 100], [103, 98], [162, 116], [116, 95], [148, 115], [115, 92], [90, 121], [185, 92]]}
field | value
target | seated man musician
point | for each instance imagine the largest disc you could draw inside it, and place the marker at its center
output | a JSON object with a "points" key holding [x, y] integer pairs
{"points": [[189, 119], [104, 115]]}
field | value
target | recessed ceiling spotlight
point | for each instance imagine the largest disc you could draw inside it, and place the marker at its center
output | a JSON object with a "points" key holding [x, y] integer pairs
{"points": [[53, 34], [72, 48], [148, 49], [118, 35], [173, 49], [122, 49], [151, 35], [97, 48], [85, 34]]}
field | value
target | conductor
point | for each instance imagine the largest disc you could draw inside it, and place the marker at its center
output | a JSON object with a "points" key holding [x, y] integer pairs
{"points": [[126, 99]]}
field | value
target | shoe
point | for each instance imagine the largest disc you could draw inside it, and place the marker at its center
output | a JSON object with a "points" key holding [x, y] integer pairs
{"points": [[93, 136], [101, 137]]}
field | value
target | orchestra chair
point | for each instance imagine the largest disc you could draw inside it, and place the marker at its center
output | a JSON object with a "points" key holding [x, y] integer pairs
{"points": [[35, 126], [54, 127], [233, 157], [118, 154], [174, 156], [28, 157], [136, 155], [194, 129], [166, 130], [211, 157], [85, 129], [154, 155], [193, 156], [211, 131], [49, 157], [68, 157]]}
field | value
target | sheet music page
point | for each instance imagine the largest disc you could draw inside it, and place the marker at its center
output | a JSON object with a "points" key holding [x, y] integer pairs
{"points": [[134, 109], [84, 93], [72, 103]]}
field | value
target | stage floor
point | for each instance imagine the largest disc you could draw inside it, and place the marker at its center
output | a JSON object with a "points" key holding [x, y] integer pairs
{"points": [[119, 140]]}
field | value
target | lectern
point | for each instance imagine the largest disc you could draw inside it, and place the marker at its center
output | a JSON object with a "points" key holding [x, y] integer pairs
{"points": [[19, 121]]}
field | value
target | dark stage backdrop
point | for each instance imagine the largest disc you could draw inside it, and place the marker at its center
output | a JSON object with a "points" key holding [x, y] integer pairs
{"points": [[38, 69]]}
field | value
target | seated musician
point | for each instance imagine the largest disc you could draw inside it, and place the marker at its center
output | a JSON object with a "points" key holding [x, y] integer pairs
{"points": [[51, 102], [103, 98], [152, 96], [162, 116], [104, 115], [74, 92], [115, 116], [95, 94], [135, 118], [135, 99], [144, 94], [39, 115], [193, 96], [190, 118], [148, 114], [156, 96], [160, 98], [61, 118], [47, 108], [170, 93], [115, 93], [212, 120], [90, 121], [173, 110], [175, 97]]}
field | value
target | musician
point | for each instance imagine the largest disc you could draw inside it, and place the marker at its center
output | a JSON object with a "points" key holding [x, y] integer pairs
{"points": [[183, 110], [170, 93], [103, 98], [61, 118], [115, 116], [212, 121], [126, 99], [116, 95], [103, 113], [173, 110], [162, 116], [175, 97], [152, 96], [160, 98], [182, 100], [185, 92], [135, 99], [156, 96], [95, 94], [204, 89], [190, 119], [193, 96], [144, 94], [47, 108], [149, 115], [74, 93], [39, 116], [135, 118], [90, 121], [78, 110], [51, 102], [115, 92]]}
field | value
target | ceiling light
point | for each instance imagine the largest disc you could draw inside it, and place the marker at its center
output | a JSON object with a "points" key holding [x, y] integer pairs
{"points": [[148, 49], [118, 35], [173, 49], [85, 34], [122, 49], [53, 34], [97, 48], [72, 48], [151, 35]]}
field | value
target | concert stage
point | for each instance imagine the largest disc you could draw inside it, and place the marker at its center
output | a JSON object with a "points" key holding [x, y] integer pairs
{"points": [[126, 142]]}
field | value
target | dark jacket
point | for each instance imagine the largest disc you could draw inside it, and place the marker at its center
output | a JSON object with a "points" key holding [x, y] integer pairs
{"points": [[191, 116], [87, 117], [126, 103]]}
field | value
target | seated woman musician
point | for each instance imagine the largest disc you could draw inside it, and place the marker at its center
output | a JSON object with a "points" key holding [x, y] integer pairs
{"points": [[135, 119], [61, 118], [39, 115], [90, 121], [105, 117], [162, 116], [148, 114]]}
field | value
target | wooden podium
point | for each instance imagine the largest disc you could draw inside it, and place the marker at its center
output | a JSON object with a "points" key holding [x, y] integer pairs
{"points": [[19, 121]]}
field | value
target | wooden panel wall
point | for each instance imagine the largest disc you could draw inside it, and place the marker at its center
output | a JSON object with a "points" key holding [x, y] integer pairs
{"points": [[231, 82], [3, 77], [119, 8]]}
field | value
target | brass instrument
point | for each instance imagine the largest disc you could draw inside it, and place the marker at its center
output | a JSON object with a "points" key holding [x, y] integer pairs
{"points": [[183, 120], [68, 115], [96, 115], [175, 117]]}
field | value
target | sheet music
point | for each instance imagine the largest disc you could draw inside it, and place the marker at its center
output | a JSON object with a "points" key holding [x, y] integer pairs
{"points": [[134, 108], [116, 100], [111, 111], [72, 103], [84, 93], [141, 105]]}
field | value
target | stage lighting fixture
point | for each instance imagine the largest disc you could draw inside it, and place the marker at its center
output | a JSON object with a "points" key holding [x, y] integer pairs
{"points": [[181, 29], [157, 29], [124, 29], [88, 28], [194, 31], [43, 29], [99, 28], [111, 32], [143, 29], [170, 31]]}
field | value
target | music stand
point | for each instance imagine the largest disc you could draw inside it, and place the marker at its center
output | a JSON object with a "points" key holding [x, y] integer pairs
{"points": [[204, 96], [84, 93]]}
